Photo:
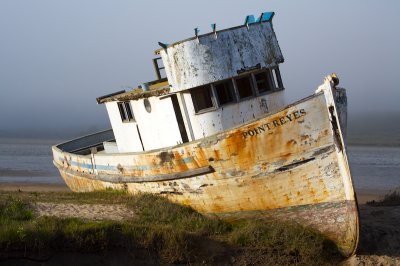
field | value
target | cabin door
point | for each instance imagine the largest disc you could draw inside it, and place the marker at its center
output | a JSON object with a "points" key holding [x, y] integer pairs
{"points": [[179, 118]]}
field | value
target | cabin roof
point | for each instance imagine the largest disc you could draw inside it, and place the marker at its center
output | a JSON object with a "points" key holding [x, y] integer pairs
{"points": [[264, 17], [155, 89]]}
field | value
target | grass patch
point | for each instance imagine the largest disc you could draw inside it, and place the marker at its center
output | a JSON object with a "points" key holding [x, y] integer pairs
{"points": [[15, 210], [288, 243], [172, 233], [155, 210]]}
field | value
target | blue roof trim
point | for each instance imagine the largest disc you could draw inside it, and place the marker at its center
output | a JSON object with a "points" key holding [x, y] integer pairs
{"points": [[265, 16], [249, 19]]}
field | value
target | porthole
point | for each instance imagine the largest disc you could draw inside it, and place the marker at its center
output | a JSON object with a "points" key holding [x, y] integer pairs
{"points": [[147, 105]]}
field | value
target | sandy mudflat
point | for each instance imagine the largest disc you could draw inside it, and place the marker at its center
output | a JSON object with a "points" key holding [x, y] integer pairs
{"points": [[379, 236], [372, 260], [114, 212]]}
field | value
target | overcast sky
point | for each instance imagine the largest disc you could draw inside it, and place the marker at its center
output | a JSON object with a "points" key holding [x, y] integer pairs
{"points": [[56, 57]]}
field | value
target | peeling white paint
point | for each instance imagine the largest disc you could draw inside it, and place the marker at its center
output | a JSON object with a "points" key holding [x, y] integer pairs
{"points": [[158, 128], [193, 62], [126, 134], [209, 123]]}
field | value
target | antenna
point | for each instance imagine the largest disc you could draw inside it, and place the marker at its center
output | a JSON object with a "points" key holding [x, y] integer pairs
{"points": [[214, 29], [196, 33]]}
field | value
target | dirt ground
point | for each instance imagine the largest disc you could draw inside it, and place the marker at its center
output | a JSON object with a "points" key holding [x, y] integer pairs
{"points": [[87, 211], [379, 236]]}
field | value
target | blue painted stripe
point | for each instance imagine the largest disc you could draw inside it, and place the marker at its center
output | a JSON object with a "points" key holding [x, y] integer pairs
{"points": [[82, 165], [139, 167], [114, 168], [106, 167]]}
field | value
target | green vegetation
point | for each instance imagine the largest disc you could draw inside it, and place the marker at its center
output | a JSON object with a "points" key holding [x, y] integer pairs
{"points": [[171, 233]]}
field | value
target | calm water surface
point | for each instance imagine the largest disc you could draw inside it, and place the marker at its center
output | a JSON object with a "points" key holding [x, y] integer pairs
{"points": [[31, 161], [27, 160], [375, 167]]}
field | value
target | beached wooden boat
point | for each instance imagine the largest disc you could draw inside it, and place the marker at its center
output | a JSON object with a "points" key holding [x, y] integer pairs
{"points": [[217, 135]]}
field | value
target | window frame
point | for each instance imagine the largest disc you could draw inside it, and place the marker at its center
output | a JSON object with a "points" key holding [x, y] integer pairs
{"points": [[125, 112], [279, 86], [269, 81], [215, 102], [230, 91], [208, 88], [253, 92]]}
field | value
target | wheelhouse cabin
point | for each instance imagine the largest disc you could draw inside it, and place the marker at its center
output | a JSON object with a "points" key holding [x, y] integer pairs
{"points": [[213, 82]]}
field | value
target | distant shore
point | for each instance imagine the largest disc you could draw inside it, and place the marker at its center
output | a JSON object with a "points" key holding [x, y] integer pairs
{"points": [[34, 187], [375, 143], [365, 195]]}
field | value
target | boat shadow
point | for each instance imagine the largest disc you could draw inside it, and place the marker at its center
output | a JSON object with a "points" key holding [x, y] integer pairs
{"points": [[379, 230]]}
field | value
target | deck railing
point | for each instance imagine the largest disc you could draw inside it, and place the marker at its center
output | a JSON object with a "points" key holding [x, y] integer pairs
{"points": [[85, 143]]}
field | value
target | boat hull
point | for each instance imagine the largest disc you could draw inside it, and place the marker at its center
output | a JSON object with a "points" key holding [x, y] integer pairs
{"points": [[290, 165]]}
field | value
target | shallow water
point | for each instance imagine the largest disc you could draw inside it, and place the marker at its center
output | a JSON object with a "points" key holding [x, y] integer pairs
{"points": [[30, 161], [374, 167], [27, 160]]}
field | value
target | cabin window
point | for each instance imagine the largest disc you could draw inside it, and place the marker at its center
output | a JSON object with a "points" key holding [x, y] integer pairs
{"points": [[263, 81], [244, 87], [201, 98], [125, 111], [224, 92], [277, 79], [159, 68]]}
